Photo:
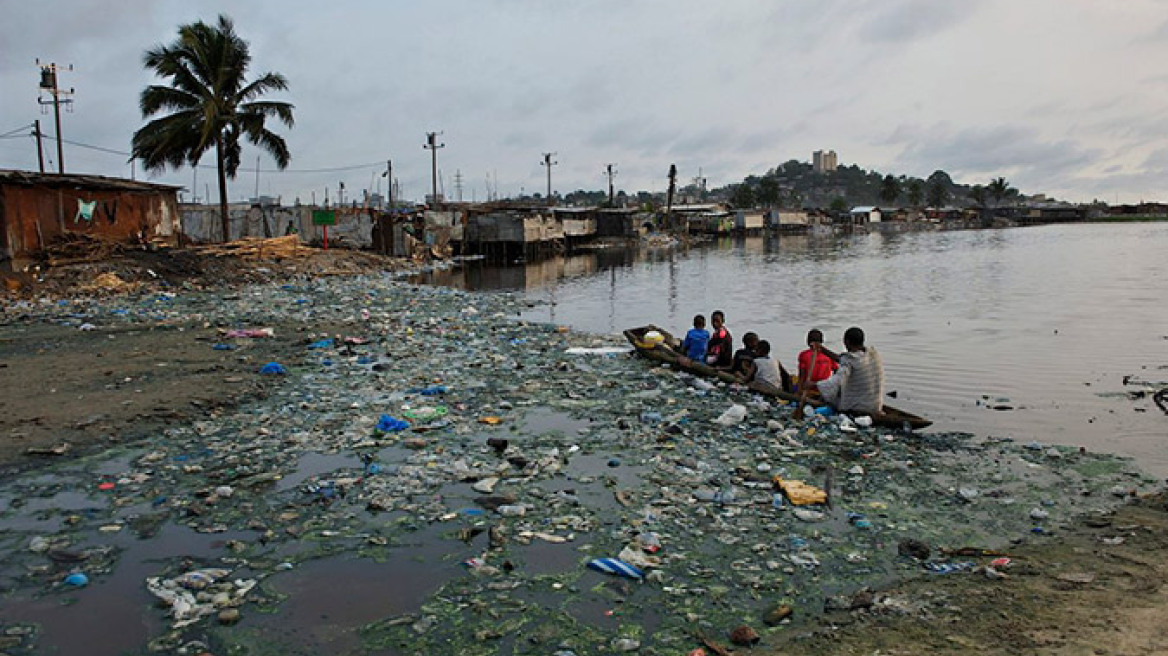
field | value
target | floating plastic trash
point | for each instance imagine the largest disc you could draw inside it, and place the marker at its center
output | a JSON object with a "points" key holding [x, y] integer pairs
{"points": [[735, 414], [949, 568], [77, 580], [616, 567], [428, 413], [324, 343], [223, 347], [388, 424], [253, 333], [273, 369], [600, 350], [800, 493]]}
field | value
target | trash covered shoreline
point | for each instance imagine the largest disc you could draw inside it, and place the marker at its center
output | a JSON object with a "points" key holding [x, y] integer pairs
{"points": [[485, 485]]}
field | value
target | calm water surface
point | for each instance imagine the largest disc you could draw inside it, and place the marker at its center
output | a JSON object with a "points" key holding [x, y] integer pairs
{"points": [[1051, 318]]}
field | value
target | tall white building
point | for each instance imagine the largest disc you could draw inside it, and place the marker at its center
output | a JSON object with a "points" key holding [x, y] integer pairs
{"points": [[823, 162]]}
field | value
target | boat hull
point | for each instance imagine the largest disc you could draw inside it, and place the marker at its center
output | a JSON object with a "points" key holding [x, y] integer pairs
{"points": [[669, 353]]}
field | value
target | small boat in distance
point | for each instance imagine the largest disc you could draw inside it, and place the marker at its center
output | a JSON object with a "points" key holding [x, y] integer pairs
{"points": [[667, 351]]}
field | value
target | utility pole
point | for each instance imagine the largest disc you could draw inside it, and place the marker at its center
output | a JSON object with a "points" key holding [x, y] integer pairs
{"points": [[669, 196], [547, 161], [387, 226], [388, 175], [610, 171], [49, 84], [257, 193], [432, 145], [458, 184], [40, 148]]}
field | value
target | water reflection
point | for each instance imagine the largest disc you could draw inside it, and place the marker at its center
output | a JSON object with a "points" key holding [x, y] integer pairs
{"points": [[1052, 317]]}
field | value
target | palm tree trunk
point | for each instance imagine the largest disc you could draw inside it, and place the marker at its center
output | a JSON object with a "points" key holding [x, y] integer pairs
{"points": [[222, 190]]}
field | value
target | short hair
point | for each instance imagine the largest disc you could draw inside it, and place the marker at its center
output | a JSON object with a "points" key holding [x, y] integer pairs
{"points": [[718, 313], [749, 337], [699, 320], [854, 335], [814, 335], [764, 347]]}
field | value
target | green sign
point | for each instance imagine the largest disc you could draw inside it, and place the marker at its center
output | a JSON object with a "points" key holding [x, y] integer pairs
{"points": [[324, 217]]}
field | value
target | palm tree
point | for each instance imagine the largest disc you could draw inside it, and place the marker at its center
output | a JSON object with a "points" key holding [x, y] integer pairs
{"points": [[978, 195], [999, 189], [212, 104], [890, 189], [916, 192]]}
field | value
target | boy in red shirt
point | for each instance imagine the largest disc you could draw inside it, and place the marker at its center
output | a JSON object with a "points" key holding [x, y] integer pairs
{"points": [[825, 362]]}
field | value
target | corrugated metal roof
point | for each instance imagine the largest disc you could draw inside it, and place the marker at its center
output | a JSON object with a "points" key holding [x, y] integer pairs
{"points": [[78, 181]]}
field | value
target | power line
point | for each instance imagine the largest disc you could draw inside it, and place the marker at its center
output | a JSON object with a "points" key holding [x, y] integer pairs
{"points": [[5, 135], [331, 169]]}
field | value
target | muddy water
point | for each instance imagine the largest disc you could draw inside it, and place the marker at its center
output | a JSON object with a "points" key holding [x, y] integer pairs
{"points": [[1046, 321]]}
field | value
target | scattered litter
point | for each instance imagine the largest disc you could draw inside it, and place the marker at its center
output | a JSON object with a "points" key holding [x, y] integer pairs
{"points": [[616, 567]]}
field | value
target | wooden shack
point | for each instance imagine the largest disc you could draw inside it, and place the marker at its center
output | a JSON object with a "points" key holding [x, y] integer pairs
{"points": [[513, 233], [36, 208]]}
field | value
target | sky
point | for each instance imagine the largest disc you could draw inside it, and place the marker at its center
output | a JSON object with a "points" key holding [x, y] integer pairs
{"points": [[1063, 97]]}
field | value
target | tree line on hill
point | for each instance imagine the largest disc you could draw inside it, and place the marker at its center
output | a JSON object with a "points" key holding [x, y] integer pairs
{"points": [[797, 184]]}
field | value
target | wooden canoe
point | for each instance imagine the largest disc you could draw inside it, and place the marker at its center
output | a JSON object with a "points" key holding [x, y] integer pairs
{"points": [[669, 352]]}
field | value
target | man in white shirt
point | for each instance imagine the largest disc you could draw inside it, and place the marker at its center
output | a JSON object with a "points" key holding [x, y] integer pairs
{"points": [[858, 385]]}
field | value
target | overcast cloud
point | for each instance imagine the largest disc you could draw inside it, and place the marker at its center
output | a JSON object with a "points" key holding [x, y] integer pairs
{"points": [[1065, 97]]}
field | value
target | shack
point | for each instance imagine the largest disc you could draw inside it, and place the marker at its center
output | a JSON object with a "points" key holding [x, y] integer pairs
{"points": [[789, 220], [749, 221], [579, 223], [512, 233], [864, 215], [36, 208], [622, 222]]}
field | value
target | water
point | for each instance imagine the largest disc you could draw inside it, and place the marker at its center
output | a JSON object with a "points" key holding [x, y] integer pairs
{"points": [[1051, 318]]}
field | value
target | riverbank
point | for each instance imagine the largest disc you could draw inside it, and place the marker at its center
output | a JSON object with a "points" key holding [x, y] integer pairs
{"points": [[1098, 589], [299, 519]]}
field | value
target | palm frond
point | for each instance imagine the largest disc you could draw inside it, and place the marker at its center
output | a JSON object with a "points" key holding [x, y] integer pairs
{"points": [[269, 108], [262, 84], [169, 141], [156, 98]]}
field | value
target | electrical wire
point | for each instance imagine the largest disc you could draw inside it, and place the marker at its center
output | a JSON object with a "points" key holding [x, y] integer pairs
{"points": [[333, 169], [5, 135]]}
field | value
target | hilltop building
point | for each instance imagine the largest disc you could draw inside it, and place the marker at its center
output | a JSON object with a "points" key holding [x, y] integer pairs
{"points": [[824, 162]]}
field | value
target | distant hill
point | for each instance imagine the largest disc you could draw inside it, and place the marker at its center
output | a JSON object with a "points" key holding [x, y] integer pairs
{"points": [[796, 184]]}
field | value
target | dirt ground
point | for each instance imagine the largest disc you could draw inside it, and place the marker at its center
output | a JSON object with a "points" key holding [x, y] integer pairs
{"points": [[1070, 593], [68, 391]]}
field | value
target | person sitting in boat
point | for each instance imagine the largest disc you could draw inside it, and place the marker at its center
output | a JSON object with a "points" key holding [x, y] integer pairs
{"points": [[824, 362], [858, 384], [743, 363], [720, 352], [696, 340], [768, 370]]}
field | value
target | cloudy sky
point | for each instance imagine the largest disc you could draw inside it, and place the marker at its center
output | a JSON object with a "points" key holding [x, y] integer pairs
{"points": [[1066, 97]]}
